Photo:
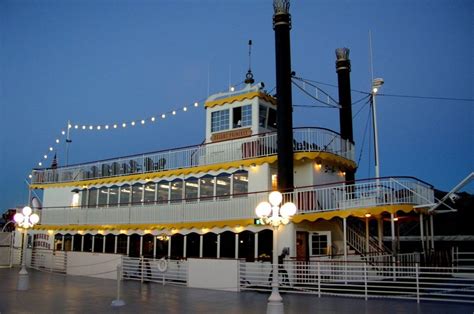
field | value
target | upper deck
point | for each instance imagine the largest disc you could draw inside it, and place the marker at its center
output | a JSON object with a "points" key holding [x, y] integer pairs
{"points": [[312, 140]]}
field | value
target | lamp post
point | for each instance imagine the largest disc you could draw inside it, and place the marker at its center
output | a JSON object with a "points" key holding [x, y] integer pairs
{"points": [[376, 84], [274, 215], [25, 220]]}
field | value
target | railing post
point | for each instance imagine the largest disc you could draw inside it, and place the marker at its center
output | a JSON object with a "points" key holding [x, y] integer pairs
{"points": [[394, 268], [319, 280], [141, 268], [118, 301], [417, 274], [365, 280]]}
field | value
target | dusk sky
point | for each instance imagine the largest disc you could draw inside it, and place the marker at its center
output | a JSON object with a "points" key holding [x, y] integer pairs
{"points": [[105, 62]]}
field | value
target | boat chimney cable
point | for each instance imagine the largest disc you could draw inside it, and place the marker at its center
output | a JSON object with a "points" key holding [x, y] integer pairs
{"points": [[249, 76], [282, 27], [343, 69]]}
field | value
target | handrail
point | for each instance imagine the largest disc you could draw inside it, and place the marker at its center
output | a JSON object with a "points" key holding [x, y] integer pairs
{"points": [[256, 146]]}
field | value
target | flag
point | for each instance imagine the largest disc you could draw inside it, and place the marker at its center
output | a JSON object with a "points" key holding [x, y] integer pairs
{"points": [[54, 163]]}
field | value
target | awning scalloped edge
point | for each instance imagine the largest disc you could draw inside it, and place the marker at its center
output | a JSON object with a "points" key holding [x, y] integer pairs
{"points": [[231, 99], [187, 225]]}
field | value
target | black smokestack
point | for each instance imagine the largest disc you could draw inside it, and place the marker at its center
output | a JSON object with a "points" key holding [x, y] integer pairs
{"points": [[282, 26], [343, 69]]}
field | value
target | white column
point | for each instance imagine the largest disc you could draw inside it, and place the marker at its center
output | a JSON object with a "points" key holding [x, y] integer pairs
{"points": [[367, 249], [63, 244], [141, 245], [256, 245], [82, 243], [392, 227], [380, 231], [344, 243], [154, 246], [218, 246], [103, 244], [93, 243], [115, 244], [236, 245], [72, 242], [169, 246], [422, 234], [432, 232], [201, 239], [128, 245], [185, 245]]}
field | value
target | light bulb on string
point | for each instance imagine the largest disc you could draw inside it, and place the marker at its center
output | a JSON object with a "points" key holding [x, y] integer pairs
{"points": [[163, 116], [106, 126], [83, 127], [133, 123], [124, 125], [174, 112], [98, 127], [91, 127], [185, 109], [76, 126], [50, 149], [152, 119], [143, 121], [57, 141], [63, 132]]}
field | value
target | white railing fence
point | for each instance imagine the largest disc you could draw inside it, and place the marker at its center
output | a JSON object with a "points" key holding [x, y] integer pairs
{"points": [[306, 139], [462, 259], [361, 280], [49, 260], [163, 271]]}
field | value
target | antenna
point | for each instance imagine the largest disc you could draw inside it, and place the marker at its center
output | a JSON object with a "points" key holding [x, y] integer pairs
{"points": [[371, 63], [249, 76], [250, 55]]}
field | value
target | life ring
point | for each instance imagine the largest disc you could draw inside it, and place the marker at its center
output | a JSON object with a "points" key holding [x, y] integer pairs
{"points": [[162, 265]]}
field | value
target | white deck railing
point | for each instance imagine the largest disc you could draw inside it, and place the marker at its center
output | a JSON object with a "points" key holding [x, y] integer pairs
{"points": [[365, 280], [383, 191], [305, 139]]}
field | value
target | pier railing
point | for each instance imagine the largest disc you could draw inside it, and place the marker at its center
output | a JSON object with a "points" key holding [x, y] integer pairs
{"points": [[313, 199], [305, 140]]}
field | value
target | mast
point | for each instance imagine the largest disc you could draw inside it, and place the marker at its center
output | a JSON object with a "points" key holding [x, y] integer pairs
{"points": [[282, 26]]}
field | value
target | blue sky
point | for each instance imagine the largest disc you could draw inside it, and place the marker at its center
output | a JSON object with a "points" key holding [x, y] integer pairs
{"points": [[101, 62]]}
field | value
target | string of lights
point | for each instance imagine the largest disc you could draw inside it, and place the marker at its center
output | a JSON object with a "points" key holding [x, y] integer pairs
{"points": [[64, 136]]}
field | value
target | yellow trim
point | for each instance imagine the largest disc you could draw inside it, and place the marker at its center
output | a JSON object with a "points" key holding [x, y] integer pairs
{"points": [[187, 225], [355, 212], [231, 99], [329, 157]]}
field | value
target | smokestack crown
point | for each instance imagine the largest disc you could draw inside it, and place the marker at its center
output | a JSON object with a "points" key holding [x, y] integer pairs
{"points": [[342, 59]]}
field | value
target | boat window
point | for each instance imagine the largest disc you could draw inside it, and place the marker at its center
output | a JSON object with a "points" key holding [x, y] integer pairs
{"points": [[220, 120], [319, 243], [191, 187], [242, 116], [150, 189], [206, 185], [113, 196], [84, 198], [103, 194], [240, 183], [237, 117], [77, 242], [110, 243], [125, 195], [87, 243], [262, 116], [272, 119], [92, 197], [162, 194], [137, 193], [223, 185], [176, 191], [246, 115], [98, 243]]}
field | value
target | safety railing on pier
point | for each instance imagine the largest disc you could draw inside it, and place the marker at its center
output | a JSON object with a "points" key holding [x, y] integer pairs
{"points": [[305, 139], [364, 280], [164, 271]]}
